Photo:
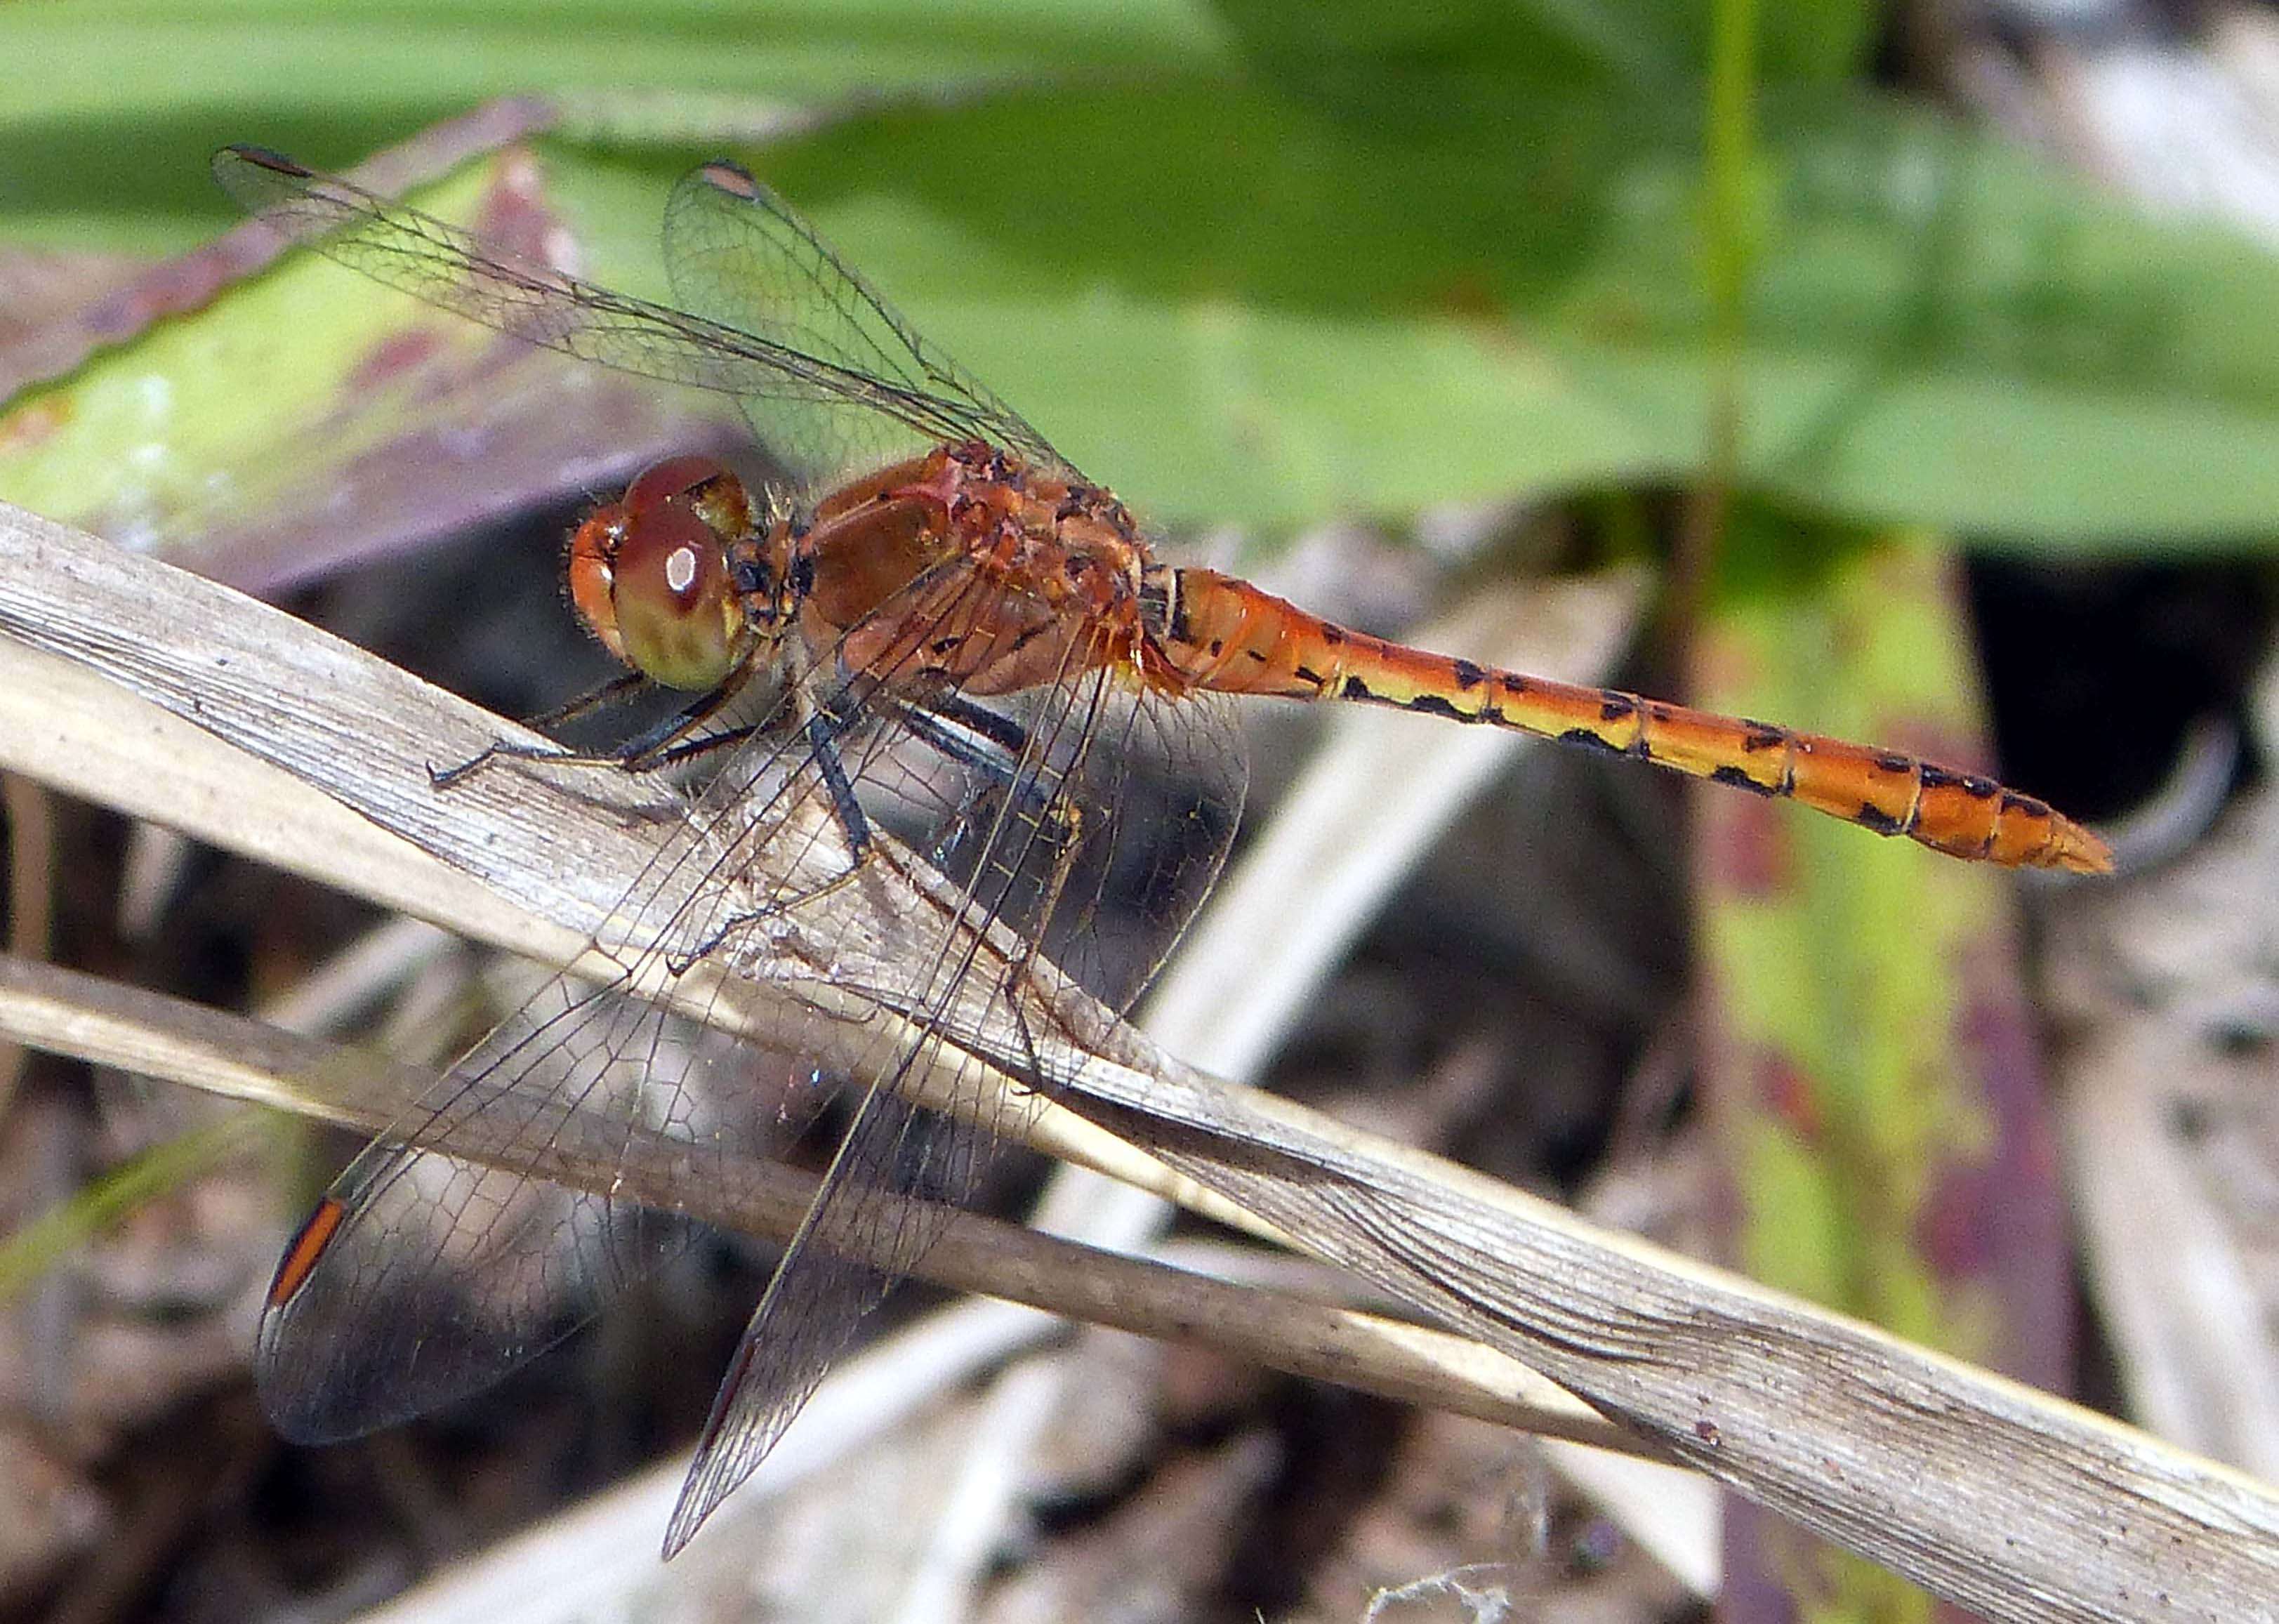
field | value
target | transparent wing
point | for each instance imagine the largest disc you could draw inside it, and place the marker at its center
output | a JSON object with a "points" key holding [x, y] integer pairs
{"points": [[894, 1186], [740, 256], [1080, 819], [423, 1278], [431, 1277], [811, 406], [1021, 810]]}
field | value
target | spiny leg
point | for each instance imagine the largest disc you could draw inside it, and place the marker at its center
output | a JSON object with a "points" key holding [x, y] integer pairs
{"points": [[664, 745], [622, 687], [1059, 821], [929, 718], [822, 730]]}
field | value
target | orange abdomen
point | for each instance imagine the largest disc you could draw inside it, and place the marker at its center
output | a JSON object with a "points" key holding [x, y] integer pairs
{"points": [[1226, 635]]}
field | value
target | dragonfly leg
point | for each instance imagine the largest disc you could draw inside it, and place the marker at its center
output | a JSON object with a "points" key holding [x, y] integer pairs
{"points": [[981, 740], [624, 685], [994, 745], [932, 722], [822, 730], [667, 744]]}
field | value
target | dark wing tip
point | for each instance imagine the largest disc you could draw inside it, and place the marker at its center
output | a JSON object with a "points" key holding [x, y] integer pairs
{"points": [[260, 179], [731, 177], [261, 157]]}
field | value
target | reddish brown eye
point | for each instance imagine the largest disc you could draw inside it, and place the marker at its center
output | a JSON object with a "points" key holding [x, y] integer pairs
{"points": [[592, 553], [649, 573], [675, 475], [677, 618]]}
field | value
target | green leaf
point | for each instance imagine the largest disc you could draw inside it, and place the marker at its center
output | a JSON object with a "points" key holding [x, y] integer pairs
{"points": [[1414, 61], [111, 106], [1944, 330], [1880, 1110], [1234, 296], [28, 1253], [1941, 330]]}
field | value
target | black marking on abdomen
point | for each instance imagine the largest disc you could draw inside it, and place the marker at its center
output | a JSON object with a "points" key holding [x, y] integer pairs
{"points": [[1739, 779], [1763, 736], [1355, 689], [1584, 736], [1616, 708], [1436, 705], [1969, 783], [1878, 820], [1892, 761], [1163, 598], [1467, 674]]}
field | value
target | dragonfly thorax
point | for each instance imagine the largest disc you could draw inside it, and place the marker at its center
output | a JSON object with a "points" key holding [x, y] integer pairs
{"points": [[664, 576], [967, 569]]}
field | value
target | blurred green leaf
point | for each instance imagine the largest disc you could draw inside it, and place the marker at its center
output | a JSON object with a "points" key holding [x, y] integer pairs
{"points": [[40, 1245], [1941, 330], [1863, 1104], [1360, 56], [309, 415], [111, 106], [1233, 295], [1422, 60]]}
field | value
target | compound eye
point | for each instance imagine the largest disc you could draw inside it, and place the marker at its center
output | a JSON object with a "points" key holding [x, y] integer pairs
{"points": [[677, 618], [675, 475]]}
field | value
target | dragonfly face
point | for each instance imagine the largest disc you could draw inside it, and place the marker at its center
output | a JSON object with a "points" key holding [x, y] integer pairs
{"points": [[656, 575]]}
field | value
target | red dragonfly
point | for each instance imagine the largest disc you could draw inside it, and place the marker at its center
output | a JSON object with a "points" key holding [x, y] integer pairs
{"points": [[930, 621]]}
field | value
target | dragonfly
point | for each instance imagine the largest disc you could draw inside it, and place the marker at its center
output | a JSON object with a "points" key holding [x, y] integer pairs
{"points": [[925, 620]]}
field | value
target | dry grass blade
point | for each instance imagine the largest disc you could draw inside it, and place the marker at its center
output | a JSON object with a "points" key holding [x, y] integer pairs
{"points": [[549, 860], [2018, 1506], [106, 1023]]}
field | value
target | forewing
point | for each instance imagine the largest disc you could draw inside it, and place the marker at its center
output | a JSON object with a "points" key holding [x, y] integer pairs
{"points": [[740, 256], [426, 1277], [895, 1184], [807, 403]]}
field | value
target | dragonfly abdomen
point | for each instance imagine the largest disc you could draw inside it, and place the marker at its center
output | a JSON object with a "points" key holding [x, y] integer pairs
{"points": [[1224, 634]]}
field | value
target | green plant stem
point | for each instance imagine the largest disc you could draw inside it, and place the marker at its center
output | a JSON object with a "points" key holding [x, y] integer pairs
{"points": [[27, 1255], [1728, 252]]}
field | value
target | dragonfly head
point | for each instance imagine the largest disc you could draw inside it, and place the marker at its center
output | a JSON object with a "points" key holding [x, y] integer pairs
{"points": [[651, 574]]}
